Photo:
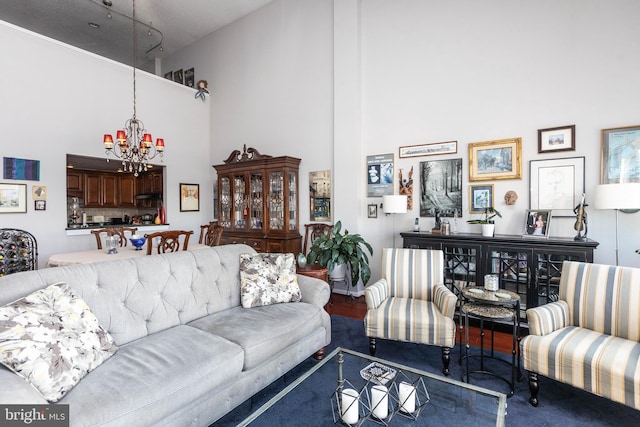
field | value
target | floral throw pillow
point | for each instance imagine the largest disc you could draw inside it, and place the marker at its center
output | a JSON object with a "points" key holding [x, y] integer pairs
{"points": [[267, 279], [52, 339]]}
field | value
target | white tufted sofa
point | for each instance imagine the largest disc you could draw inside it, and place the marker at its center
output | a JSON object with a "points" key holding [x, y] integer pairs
{"points": [[188, 352]]}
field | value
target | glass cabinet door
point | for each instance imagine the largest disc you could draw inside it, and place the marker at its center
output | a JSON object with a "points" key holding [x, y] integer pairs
{"points": [[256, 211], [276, 201], [293, 201], [239, 202], [225, 202]]}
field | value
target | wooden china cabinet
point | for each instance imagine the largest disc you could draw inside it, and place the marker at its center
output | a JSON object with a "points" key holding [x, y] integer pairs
{"points": [[258, 201]]}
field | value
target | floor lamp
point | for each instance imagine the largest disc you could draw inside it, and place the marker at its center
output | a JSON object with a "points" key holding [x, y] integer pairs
{"points": [[394, 205], [617, 197]]}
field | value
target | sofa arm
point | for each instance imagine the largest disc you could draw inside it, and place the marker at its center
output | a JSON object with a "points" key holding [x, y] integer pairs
{"points": [[547, 318], [445, 300], [375, 293], [314, 291]]}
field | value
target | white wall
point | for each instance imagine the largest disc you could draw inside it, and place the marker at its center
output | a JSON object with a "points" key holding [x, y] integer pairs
{"points": [[57, 100], [420, 72], [270, 90]]}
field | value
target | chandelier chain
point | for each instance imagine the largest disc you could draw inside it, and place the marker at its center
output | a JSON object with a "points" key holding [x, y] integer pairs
{"points": [[134, 145], [135, 62]]}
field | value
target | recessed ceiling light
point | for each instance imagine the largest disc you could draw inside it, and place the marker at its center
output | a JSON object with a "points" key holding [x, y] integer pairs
{"points": [[94, 25]]}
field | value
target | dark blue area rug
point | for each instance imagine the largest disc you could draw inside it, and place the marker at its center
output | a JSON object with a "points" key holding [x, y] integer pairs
{"points": [[559, 404]]}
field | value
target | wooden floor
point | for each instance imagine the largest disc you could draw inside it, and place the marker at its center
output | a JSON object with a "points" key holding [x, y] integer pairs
{"points": [[356, 308]]}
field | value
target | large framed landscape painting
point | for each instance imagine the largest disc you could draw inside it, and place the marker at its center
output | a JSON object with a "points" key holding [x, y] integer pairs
{"points": [[441, 187], [491, 160]]}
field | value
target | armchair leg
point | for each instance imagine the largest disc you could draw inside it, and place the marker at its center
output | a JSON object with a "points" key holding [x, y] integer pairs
{"points": [[372, 346], [534, 387], [319, 355], [446, 358]]}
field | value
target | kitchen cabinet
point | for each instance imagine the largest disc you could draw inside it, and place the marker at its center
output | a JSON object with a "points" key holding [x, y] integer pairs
{"points": [[127, 190], [75, 184], [150, 182], [100, 190], [258, 201], [530, 267]]}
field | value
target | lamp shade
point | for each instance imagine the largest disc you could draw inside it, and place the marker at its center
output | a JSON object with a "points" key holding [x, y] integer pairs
{"points": [[617, 196], [394, 204]]}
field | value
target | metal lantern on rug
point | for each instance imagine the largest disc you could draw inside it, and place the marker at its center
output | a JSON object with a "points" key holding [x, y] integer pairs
{"points": [[134, 144]]}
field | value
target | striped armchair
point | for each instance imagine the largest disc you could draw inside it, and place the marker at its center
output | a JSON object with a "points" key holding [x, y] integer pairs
{"points": [[589, 337], [410, 302]]}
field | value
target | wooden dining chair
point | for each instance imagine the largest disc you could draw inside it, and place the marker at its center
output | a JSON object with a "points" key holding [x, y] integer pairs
{"points": [[313, 231], [211, 234], [169, 241], [114, 231]]}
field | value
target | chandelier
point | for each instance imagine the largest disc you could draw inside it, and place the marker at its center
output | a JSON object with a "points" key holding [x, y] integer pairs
{"points": [[134, 145]]}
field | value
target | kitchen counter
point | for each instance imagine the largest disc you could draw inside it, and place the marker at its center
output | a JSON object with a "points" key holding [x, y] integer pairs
{"points": [[142, 228]]}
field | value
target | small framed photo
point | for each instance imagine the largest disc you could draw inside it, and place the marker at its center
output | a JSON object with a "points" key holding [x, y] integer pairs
{"points": [[13, 198], [619, 160], [537, 222], [372, 211], [491, 160], [39, 192], [480, 198], [178, 76], [40, 205], [557, 139], [189, 78], [189, 197]]}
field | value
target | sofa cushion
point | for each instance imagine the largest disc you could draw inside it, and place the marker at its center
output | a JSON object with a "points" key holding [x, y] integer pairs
{"points": [[268, 278], [149, 378], [261, 331], [52, 339]]}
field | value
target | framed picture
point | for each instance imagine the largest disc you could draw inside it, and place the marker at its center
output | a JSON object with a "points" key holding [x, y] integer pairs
{"points": [[557, 139], [379, 175], [480, 198], [189, 78], [536, 223], [13, 198], [441, 189], [372, 211], [491, 160], [557, 184], [40, 205], [189, 197], [168, 75], [449, 147], [178, 77], [25, 169], [39, 192], [620, 157]]}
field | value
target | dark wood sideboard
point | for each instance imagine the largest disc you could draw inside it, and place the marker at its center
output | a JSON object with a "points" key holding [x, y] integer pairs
{"points": [[528, 266]]}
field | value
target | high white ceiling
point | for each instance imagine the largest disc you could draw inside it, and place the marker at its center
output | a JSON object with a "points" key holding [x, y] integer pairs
{"points": [[164, 26]]}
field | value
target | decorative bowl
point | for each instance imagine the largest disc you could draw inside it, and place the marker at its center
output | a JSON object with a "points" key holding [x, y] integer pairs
{"points": [[138, 242]]}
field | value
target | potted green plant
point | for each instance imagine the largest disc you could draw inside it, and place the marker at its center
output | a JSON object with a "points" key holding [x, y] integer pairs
{"points": [[338, 248], [487, 222]]}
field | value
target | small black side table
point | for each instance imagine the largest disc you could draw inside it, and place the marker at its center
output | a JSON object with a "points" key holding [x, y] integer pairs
{"points": [[491, 306]]}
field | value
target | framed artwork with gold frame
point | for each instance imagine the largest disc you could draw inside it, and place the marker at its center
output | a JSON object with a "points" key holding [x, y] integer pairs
{"points": [[492, 160]]}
